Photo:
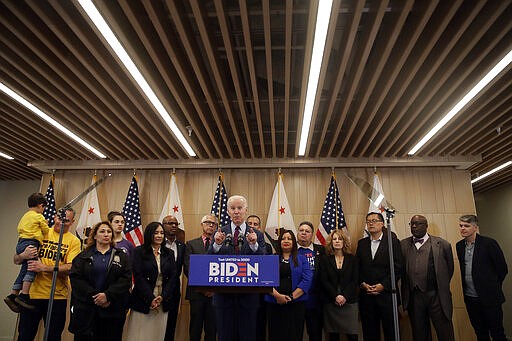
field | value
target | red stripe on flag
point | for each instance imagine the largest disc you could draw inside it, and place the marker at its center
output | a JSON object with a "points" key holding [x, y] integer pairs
{"points": [[320, 237]]}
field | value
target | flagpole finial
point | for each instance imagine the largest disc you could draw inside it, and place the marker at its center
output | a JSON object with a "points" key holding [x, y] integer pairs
{"points": [[374, 169], [173, 170], [134, 172], [53, 171], [95, 172]]}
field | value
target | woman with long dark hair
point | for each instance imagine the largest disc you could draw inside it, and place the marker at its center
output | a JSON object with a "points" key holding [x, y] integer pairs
{"points": [[286, 304], [100, 278], [154, 273]]}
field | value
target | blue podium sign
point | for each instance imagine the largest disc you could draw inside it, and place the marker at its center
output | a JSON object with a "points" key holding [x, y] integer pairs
{"points": [[234, 270]]}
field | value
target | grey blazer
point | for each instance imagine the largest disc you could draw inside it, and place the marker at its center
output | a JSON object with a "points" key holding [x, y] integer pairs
{"points": [[443, 264]]}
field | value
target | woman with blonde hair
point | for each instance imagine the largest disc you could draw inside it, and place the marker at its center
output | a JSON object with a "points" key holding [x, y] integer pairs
{"points": [[100, 278], [339, 288]]}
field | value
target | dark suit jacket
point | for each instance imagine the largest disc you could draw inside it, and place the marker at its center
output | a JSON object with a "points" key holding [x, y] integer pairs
{"points": [[443, 264], [332, 283], [245, 301], [180, 259], [488, 271], [145, 273], [373, 271], [193, 247]]}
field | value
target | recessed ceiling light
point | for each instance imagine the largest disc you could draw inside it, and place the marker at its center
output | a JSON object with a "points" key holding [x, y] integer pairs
{"points": [[48, 119], [492, 171], [322, 24], [468, 97], [8, 157], [102, 26]]}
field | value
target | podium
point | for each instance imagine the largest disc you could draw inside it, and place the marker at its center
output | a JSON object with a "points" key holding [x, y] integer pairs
{"points": [[234, 273]]}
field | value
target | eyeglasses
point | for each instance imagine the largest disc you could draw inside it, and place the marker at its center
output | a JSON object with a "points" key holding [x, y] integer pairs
{"points": [[417, 223], [172, 223], [373, 221], [209, 223]]}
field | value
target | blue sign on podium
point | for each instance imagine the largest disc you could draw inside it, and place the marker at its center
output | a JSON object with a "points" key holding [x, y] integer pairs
{"points": [[234, 270]]}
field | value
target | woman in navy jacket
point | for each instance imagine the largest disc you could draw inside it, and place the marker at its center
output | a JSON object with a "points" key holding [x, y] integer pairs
{"points": [[100, 278], [286, 308], [154, 274]]}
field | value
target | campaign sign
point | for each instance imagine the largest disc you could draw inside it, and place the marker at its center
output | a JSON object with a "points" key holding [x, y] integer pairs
{"points": [[234, 270]]}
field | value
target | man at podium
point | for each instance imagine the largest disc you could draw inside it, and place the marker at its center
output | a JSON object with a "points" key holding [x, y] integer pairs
{"points": [[236, 312]]}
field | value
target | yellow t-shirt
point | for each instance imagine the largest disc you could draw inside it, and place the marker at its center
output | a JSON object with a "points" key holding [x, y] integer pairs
{"points": [[33, 226], [40, 288]]}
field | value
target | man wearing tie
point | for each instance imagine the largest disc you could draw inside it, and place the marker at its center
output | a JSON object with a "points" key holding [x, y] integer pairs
{"points": [[236, 312], [202, 315], [171, 225], [428, 262]]}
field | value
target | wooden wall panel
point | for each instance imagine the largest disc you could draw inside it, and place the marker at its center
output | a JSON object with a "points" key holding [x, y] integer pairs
{"points": [[441, 194]]}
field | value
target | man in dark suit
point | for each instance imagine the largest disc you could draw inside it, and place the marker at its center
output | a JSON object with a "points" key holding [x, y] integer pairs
{"points": [[202, 315], [428, 263], [235, 312], [375, 299], [312, 252], [483, 269], [171, 225]]}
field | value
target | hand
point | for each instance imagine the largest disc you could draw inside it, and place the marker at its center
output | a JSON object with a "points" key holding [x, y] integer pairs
{"points": [[375, 289], [36, 266], [251, 237], [156, 302], [208, 294], [282, 299], [30, 252], [100, 299], [219, 237], [341, 300]]}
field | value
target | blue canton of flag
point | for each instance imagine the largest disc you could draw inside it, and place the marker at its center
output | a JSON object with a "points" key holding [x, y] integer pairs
{"points": [[131, 212], [50, 210], [332, 215], [220, 204]]}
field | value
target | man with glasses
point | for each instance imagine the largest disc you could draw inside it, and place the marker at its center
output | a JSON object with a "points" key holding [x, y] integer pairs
{"points": [[202, 315], [483, 269], [40, 289], [375, 298], [428, 264], [171, 226]]}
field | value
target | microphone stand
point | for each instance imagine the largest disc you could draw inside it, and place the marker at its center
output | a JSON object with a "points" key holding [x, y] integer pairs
{"points": [[62, 216], [390, 213]]}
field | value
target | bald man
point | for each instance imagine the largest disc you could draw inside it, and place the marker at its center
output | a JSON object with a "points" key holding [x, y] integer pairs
{"points": [[426, 293]]}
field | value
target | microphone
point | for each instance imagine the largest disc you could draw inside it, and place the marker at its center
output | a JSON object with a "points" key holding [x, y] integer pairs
{"points": [[229, 240], [240, 241]]}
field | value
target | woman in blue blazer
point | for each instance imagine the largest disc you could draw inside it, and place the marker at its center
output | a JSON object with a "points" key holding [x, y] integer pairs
{"points": [[154, 275], [286, 304]]}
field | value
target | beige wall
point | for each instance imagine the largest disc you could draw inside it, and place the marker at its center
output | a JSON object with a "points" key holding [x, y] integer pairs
{"points": [[441, 194]]}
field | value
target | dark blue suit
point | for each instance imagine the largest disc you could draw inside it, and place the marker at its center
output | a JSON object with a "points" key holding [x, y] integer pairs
{"points": [[236, 313], [176, 294]]}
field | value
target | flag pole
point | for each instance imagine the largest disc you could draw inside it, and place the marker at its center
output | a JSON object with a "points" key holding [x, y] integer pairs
{"points": [[278, 202], [221, 185]]}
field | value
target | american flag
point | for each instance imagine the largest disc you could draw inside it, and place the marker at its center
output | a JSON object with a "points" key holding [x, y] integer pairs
{"points": [[220, 203], [50, 210], [131, 212], [332, 214]]}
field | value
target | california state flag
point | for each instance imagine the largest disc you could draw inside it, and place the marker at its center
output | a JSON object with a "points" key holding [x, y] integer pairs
{"points": [[279, 213], [378, 202], [90, 213], [172, 204]]}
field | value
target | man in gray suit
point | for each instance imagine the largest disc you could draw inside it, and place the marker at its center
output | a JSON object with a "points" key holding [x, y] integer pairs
{"points": [[426, 286], [202, 315]]}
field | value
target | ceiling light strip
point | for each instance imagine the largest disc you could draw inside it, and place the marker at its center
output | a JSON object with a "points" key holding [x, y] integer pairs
{"points": [[465, 100], [492, 171], [48, 119], [8, 157], [109, 36], [322, 24]]}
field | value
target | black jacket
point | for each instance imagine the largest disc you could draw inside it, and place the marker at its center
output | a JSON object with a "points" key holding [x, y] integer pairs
{"points": [[334, 282], [145, 273], [117, 285], [488, 271]]}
